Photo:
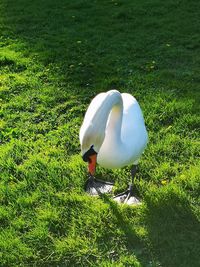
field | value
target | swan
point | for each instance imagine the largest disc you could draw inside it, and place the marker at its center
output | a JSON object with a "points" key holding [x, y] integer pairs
{"points": [[113, 134]]}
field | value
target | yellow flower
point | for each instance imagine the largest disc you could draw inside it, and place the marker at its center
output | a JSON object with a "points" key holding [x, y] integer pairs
{"points": [[164, 182]]}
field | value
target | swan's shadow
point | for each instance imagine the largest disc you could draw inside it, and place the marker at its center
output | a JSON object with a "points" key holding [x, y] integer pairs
{"points": [[173, 232], [135, 246], [172, 237]]}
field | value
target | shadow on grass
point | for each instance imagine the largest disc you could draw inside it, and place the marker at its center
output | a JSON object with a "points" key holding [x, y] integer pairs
{"points": [[135, 246], [173, 231], [92, 42]]}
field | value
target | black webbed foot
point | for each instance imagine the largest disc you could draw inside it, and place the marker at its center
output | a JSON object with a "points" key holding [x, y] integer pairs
{"points": [[97, 187], [130, 196]]}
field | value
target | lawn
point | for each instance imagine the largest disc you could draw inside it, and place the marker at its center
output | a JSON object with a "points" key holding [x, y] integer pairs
{"points": [[55, 56]]}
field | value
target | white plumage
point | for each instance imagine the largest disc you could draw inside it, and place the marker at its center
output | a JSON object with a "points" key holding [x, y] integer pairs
{"points": [[115, 127]]}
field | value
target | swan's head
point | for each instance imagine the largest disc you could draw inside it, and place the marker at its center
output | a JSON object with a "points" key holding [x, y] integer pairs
{"points": [[91, 139]]}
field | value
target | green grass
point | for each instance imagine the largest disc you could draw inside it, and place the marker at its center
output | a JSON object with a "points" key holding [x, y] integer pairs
{"points": [[54, 57]]}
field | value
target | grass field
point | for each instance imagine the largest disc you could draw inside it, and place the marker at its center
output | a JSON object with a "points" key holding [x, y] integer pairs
{"points": [[54, 57]]}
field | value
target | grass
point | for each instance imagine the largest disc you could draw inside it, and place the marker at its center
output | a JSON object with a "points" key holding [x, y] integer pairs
{"points": [[54, 57]]}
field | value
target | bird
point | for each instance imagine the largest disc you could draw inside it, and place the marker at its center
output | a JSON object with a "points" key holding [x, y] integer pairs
{"points": [[113, 135]]}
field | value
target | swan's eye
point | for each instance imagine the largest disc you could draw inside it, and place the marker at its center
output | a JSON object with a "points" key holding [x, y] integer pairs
{"points": [[86, 156]]}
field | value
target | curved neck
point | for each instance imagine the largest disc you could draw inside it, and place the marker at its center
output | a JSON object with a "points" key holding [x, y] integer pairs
{"points": [[109, 115]]}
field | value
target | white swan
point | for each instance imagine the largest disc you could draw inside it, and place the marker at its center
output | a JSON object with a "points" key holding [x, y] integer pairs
{"points": [[113, 132]]}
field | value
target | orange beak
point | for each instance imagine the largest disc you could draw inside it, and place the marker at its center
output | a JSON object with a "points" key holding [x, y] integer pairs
{"points": [[92, 164]]}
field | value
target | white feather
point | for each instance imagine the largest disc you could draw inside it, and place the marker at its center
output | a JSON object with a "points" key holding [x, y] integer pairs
{"points": [[114, 124]]}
